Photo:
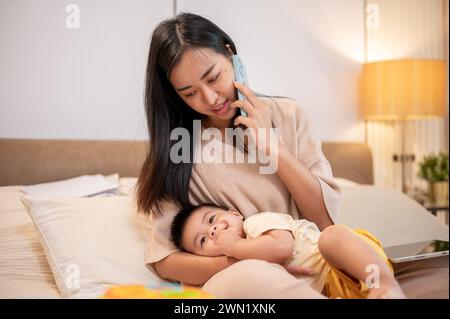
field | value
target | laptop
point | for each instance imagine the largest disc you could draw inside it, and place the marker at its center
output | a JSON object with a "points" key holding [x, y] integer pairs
{"points": [[418, 250]]}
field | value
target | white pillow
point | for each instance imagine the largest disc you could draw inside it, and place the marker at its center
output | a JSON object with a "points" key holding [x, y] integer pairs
{"points": [[127, 185], [80, 186], [92, 243]]}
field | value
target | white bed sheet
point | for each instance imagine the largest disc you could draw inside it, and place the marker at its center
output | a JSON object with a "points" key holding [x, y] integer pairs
{"points": [[24, 271]]}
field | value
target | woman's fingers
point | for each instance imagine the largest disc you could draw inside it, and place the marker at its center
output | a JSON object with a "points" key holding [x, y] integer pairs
{"points": [[244, 120], [245, 105], [249, 95]]}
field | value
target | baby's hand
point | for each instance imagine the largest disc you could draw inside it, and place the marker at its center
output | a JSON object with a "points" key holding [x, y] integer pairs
{"points": [[226, 240]]}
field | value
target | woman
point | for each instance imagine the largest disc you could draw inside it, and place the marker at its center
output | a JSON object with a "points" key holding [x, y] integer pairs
{"points": [[190, 77]]}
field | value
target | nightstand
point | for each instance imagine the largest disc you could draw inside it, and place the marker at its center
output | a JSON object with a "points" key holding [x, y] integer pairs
{"points": [[434, 209], [440, 211]]}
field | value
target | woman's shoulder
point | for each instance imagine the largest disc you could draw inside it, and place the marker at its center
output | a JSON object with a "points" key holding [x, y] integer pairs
{"points": [[284, 110], [285, 101], [286, 105]]}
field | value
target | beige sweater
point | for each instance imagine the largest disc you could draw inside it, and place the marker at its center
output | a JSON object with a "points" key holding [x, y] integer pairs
{"points": [[243, 187]]}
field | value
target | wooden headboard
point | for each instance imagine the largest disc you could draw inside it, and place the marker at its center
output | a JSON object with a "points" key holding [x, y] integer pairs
{"points": [[28, 161], [350, 160]]}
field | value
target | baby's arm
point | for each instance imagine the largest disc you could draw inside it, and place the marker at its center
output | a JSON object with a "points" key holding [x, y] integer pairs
{"points": [[274, 246]]}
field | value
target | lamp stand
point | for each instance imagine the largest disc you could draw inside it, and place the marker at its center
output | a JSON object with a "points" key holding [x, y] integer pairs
{"points": [[403, 157]]}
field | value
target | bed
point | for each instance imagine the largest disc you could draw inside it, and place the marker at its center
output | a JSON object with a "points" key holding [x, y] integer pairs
{"points": [[24, 269]]}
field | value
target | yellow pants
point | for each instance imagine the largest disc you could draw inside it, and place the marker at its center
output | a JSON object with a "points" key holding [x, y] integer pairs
{"points": [[340, 285]]}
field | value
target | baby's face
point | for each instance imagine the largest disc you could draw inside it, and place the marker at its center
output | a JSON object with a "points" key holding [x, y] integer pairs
{"points": [[202, 227]]}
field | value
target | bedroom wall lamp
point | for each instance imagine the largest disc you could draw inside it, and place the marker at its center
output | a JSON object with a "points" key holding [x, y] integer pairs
{"points": [[401, 90]]}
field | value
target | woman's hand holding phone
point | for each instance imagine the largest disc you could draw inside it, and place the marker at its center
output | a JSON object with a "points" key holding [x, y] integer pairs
{"points": [[259, 116]]}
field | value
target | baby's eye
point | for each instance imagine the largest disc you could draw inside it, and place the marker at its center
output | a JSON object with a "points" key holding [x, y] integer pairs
{"points": [[202, 241], [211, 219]]}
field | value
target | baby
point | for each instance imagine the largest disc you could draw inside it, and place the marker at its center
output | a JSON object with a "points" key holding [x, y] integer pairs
{"points": [[346, 263]]}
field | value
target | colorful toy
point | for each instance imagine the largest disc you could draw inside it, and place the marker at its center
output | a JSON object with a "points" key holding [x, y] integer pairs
{"points": [[163, 291]]}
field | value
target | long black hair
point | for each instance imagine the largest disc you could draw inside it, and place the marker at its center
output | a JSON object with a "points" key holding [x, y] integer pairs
{"points": [[161, 179]]}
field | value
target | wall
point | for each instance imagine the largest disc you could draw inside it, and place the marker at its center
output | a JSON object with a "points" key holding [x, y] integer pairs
{"points": [[87, 83], [84, 83]]}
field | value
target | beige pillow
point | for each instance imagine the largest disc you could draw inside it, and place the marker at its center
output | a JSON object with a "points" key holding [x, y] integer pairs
{"points": [[79, 186], [92, 243], [127, 186]]}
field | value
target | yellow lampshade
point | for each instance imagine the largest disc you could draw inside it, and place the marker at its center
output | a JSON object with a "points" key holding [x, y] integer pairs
{"points": [[403, 89]]}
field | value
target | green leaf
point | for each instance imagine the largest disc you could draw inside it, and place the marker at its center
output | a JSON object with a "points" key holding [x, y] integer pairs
{"points": [[434, 168]]}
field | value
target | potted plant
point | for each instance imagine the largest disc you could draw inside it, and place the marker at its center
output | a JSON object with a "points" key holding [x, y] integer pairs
{"points": [[434, 169]]}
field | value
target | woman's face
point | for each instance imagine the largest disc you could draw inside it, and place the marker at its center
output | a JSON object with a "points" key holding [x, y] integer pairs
{"points": [[204, 80]]}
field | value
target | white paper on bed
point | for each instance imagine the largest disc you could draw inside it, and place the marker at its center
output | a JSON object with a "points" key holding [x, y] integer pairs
{"points": [[81, 186]]}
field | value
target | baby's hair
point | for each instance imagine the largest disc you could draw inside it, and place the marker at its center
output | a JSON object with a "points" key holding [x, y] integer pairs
{"points": [[179, 222]]}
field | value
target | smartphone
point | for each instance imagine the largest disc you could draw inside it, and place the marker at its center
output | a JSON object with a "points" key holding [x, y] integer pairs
{"points": [[419, 250], [240, 76]]}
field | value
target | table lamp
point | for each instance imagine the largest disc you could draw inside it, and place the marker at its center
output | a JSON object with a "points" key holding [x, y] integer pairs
{"points": [[401, 90]]}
